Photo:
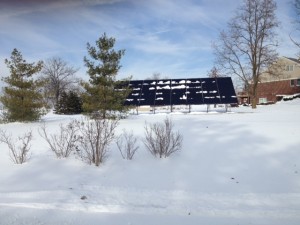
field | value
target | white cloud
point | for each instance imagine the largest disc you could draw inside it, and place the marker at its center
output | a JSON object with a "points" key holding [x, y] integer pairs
{"points": [[172, 37], [13, 8]]}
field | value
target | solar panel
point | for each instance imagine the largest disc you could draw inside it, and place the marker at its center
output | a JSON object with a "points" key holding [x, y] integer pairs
{"points": [[193, 91]]}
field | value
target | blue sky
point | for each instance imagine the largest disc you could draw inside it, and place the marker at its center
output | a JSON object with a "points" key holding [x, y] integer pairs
{"points": [[170, 37]]}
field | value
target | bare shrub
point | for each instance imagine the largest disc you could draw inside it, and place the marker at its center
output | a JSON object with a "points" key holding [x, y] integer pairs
{"points": [[161, 140], [126, 143], [95, 138], [64, 142], [17, 153]]}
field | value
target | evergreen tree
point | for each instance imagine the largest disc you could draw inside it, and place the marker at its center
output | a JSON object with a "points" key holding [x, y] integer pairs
{"points": [[69, 103], [61, 105], [74, 103], [21, 97], [102, 93]]}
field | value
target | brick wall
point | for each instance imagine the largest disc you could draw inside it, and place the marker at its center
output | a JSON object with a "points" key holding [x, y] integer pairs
{"points": [[269, 90]]}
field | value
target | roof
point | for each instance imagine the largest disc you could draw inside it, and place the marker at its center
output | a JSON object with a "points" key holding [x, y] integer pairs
{"points": [[293, 59]]}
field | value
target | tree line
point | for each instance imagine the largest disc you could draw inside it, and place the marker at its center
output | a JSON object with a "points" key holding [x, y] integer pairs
{"points": [[27, 96]]}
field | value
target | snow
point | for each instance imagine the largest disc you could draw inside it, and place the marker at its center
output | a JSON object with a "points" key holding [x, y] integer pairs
{"points": [[179, 87], [240, 167]]}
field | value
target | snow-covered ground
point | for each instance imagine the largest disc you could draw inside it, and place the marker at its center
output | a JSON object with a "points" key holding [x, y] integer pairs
{"points": [[240, 167]]}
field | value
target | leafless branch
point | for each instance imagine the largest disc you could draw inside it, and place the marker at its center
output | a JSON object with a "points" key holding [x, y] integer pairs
{"points": [[126, 143], [59, 76], [64, 142], [248, 47], [161, 140], [95, 138], [17, 153]]}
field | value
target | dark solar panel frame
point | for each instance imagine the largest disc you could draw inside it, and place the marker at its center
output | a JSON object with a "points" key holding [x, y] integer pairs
{"points": [[192, 91]]}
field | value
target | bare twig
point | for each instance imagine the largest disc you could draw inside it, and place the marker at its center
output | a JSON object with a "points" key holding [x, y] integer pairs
{"points": [[126, 143], [63, 143], [161, 140], [95, 138], [18, 154]]}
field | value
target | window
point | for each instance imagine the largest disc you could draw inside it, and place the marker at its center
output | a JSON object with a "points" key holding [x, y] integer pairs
{"points": [[295, 83], [292, 83], [262, 100], [289, 68]]}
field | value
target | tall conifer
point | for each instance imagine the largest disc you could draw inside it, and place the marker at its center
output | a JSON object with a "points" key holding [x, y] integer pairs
{"points": [[102, 93], [21, 97]]}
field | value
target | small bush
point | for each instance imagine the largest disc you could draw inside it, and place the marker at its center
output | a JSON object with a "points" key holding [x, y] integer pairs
{"points": [[95, 138], [64, 142], [161, 140], [18, 154], [126, 143]]}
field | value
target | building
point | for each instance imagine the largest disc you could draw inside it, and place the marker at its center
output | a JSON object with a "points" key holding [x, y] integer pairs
{"points": [[286, 82]]}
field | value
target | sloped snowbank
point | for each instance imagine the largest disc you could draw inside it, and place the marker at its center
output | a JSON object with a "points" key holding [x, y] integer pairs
{"points": [[241, 167]]}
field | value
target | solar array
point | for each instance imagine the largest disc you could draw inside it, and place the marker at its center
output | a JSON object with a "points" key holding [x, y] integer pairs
{"points": [[194, 91]]}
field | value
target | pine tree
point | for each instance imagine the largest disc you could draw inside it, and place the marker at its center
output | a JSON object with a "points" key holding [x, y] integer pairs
{"points": [[61, 105], [102, 94], [21, 97], [74, 103], [69, 103]]}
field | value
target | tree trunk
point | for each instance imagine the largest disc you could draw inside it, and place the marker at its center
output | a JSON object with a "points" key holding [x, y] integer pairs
{"points": [[97, 159], [253, 102], [254, 95], [56, 97]]}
